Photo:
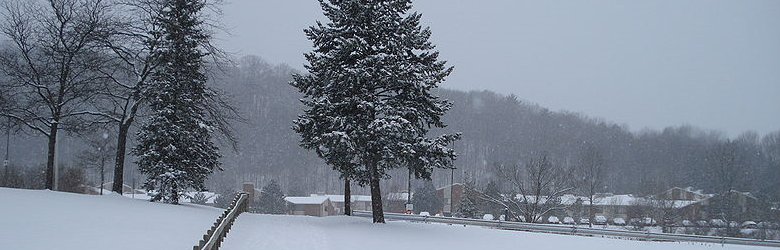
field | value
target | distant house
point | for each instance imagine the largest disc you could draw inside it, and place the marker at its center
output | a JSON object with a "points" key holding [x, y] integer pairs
{"points": [[731, 205], [615, 206], [396, 202], [604, 204], [357, 202], [682, 194], [453, 193], [311, 205]]}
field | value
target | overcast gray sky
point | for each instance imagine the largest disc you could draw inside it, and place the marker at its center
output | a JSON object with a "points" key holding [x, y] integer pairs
{"points": [[648, 64]]}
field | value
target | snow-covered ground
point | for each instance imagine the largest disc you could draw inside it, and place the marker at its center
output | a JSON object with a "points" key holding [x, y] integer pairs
{"points": [[252, 232], [46, 220]]}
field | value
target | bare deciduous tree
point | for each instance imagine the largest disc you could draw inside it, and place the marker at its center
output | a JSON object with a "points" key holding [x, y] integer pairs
{"points": [[589, 176], [51, 64], [537, 188]]}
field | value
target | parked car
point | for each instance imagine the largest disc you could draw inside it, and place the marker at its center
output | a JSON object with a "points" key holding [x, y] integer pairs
{"points": [[687, 223], [569, 220], [600, 220], [717, 223], [702, 223], [647, 221], [618, 221], [749, 225], [584, 221], [487, 217], [553, 220], [425, 214]]}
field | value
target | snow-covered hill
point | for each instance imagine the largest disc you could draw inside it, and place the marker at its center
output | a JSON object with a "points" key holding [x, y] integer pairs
{"points": [[46, 220], [252, 232]]}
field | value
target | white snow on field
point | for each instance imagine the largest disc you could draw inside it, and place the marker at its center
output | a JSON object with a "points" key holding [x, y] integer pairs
{"points": [[46, 220], [279, 232]]}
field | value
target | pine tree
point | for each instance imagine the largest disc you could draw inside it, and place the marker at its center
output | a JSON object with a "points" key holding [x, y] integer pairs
{"points": [[271, 200], [175, 149], [425, 199], [491, 191], [367, 97], [468, 209]]}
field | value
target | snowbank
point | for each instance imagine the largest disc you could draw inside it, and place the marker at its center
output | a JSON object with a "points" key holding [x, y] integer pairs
{"points": [[252, 232], [46, 220]]}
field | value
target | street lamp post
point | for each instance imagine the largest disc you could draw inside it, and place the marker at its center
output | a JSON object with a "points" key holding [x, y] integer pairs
{"points": [[7, 161], [102, 162]]}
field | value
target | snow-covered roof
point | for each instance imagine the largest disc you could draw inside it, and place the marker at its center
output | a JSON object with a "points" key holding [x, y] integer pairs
{"points": [[618, 200], [403, 196], [746, 194], [307, 200], [340, 197], [448, 185]]}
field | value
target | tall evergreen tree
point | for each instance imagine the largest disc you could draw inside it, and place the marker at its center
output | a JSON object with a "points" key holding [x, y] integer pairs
{"points": [[425, 199], [368, 93], [175, 148], [271, 200]]}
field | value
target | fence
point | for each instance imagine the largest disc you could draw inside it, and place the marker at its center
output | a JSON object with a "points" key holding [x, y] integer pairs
{"points": [[213, 238], [573, 230]]}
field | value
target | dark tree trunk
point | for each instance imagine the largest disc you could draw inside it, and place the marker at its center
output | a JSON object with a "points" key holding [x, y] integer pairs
{"points": [[347, 197], [50, 157], [591, 216], [376, 195], [119, 168]]}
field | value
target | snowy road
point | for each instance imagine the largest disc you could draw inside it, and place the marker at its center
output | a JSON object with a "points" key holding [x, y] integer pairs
{"points": [[257, 232]]}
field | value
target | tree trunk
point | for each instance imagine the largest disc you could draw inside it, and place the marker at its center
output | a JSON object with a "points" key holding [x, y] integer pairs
{"points": [[50, 157], [119, 168], [376, 195], [347, 198], [591, 216]]}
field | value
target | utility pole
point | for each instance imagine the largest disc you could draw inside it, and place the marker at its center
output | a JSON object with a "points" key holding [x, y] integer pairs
{"points": [[452, 189], [102, 158], [452, 183], [102, 167], [409, 188]]}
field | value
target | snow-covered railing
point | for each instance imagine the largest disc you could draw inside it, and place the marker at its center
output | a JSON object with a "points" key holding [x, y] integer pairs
{"points": [[213, 238], [573, 230]]}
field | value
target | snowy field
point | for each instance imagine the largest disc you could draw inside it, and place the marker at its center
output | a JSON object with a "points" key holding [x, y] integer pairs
{"points": [[46, 220], [254, 232]]}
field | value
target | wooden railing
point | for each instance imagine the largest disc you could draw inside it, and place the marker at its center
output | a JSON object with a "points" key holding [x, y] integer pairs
{"points": [[213, 238]]}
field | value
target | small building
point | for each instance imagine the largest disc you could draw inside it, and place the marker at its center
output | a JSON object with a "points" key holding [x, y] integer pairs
{"points": [[312, 206], [357, 202], [615, 206], [732, 205], [396, 202], [681, 194], [451, 195]]}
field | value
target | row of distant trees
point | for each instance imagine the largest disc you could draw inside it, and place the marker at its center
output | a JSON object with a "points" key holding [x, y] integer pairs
{"points": [[78, 65], [533, 190]]}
